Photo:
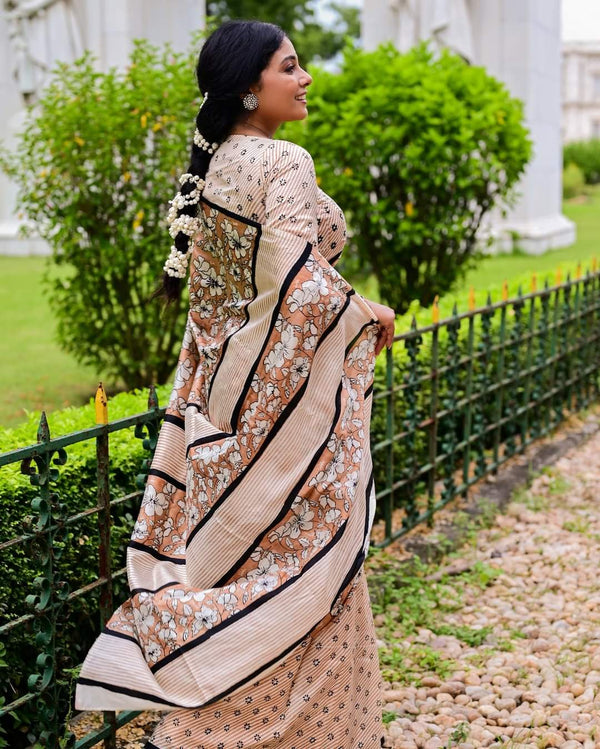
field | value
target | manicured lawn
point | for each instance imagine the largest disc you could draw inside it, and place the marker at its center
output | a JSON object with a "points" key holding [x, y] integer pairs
{"points": [[585, 212], [36, 373]]}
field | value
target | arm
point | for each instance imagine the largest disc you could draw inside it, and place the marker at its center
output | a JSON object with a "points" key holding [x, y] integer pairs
{"points": [[291, 191]]}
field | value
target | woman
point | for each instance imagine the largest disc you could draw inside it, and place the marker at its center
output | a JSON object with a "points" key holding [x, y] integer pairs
{"points": [[249, 617]]}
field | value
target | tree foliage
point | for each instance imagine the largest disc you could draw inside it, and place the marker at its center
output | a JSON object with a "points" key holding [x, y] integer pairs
{"points": [[297, 18], [96, 164], [417, 150]]}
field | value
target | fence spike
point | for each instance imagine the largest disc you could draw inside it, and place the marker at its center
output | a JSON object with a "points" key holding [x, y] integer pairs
{"points": [[43, 432], [471, 299], [533, 283], [152, 398], [413, 323], [505, 290], [546, 284], [569, 277], [519, 291], [101, 403], [454, 310], [436, 310], [489, 300]]}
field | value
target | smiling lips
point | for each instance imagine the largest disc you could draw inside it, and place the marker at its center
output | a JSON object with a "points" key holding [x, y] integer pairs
{"points": [[301, 98]]}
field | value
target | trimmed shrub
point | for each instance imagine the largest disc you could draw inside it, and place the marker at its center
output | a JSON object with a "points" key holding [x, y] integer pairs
{"points": [[96, 164], [586, 155], [417, 150]]}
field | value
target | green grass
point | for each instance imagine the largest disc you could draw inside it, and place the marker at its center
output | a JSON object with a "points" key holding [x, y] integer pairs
{"points": [[491, 272], [35, 373]]}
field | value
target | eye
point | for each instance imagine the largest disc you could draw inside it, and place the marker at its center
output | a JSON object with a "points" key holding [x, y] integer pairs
{"points": [[290, 68]]}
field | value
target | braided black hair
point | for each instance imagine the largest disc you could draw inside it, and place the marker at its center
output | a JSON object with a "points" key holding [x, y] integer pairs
{"points": [[230, 62]]}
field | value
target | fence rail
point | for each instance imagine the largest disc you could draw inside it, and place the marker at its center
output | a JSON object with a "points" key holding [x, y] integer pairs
{"points": [[454, 400], [460, 397]]}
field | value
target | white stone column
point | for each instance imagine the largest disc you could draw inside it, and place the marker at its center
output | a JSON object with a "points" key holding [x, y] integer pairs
{"points": [[518, 42], [107, 28]]}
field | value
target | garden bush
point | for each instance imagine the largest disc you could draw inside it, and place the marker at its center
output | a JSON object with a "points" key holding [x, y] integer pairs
{"points": [[417, 150], [96, 164], [586, 155]]}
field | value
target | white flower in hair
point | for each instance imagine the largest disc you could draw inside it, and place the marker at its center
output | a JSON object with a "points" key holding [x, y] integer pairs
{"points": [[202, 143]]}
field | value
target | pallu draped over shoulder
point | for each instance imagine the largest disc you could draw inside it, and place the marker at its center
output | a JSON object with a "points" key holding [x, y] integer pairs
{"points": [[248, 617]]}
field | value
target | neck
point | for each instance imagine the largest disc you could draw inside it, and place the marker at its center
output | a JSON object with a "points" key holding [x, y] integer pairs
{"points": [[243, 126]]}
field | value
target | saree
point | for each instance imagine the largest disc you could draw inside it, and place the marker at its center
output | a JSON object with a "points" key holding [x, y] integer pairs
{"points": [[245, 560]]}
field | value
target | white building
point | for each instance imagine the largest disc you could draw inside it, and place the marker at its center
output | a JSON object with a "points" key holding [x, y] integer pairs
{"points": [[36, 34], [517, 41], [581, 91]]}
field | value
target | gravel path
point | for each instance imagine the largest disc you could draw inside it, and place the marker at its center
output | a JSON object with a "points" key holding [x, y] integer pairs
{"points": [[535, 679], [532, 679]]}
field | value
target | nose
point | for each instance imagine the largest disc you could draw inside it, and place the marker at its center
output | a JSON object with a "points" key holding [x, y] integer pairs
{"points": [[307, 78]]}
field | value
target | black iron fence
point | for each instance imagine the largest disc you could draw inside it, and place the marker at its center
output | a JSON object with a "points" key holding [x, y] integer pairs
{"points": [[460, 397], [453, 401]]}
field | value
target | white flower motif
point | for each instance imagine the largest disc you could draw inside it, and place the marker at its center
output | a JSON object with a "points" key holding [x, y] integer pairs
{"points": [[301, 520], [168, 629], [143, 617], [239, 245], [266, 566], [264, 584], [152, 651], [140, 530], [283, 350], [204, 619], [228, 601], [154, 503], [299, 370], [332, 515], [316, 287], [213, 282], [185, 369], [297, 300], [321, 539]]}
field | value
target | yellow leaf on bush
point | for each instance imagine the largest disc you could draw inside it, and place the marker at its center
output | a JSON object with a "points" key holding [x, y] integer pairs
{"points": [[78, 140], [409, 209], [144, 120]]}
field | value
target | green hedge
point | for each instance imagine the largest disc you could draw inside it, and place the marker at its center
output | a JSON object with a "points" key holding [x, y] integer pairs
{"points": [[586, 155], [77, 561]]}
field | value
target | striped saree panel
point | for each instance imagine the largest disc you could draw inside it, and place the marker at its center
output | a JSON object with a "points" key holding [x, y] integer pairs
{"points": [[259, 503]]}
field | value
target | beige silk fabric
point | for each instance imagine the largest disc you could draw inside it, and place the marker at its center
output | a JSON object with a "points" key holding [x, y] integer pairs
{"points": [[246, 556]]}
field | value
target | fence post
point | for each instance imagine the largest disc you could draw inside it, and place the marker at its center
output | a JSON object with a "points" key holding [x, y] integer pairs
{"points": [[389, 436], [51, 592], [104, 531]]}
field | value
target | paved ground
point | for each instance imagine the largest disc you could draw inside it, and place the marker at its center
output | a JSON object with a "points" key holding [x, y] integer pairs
{"points": [[518, 662], [534, 681]]}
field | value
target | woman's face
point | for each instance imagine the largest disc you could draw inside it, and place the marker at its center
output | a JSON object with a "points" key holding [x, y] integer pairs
{"points": [[281, 90]]}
